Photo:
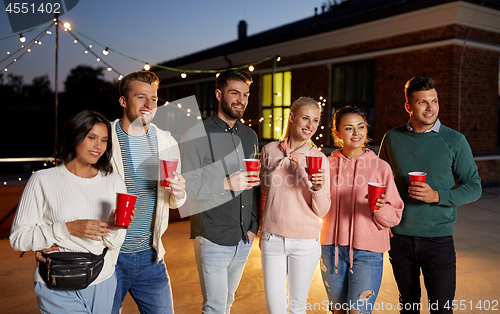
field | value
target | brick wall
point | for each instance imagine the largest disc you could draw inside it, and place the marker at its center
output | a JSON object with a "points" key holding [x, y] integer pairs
{"points": [[479, 91], [479, 68], [489, 171]]}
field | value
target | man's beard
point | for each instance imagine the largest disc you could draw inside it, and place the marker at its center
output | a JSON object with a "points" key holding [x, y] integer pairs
{"points": [[226, 108]]}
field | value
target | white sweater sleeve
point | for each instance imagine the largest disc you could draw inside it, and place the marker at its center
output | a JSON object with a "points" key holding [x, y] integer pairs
{"points": [[53, 197], [28, 232]]}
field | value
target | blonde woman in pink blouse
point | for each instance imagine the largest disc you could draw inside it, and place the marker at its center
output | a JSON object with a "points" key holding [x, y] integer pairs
{"points": [[293, 207]]}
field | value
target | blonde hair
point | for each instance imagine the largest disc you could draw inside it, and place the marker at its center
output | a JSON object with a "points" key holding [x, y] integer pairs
{"points": [[299, 103]]}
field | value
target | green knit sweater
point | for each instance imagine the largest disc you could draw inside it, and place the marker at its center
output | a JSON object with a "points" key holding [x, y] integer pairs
{"points": [[447, 158]]}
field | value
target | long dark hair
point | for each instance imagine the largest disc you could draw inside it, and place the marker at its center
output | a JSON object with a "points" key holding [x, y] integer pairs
{"points": [[74, 132]]}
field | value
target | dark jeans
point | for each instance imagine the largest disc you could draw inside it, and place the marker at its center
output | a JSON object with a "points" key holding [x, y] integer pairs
{"points": [[436, 257]]}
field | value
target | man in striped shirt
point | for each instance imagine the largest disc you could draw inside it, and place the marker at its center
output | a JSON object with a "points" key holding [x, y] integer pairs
{"points": [[137, 146]]}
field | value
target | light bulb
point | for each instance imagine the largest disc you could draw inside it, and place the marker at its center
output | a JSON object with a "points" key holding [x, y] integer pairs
{"points": [[147, 66], [105, 51], [22, 38]]}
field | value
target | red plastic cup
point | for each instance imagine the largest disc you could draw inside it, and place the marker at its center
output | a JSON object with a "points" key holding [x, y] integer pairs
{"points": [[313, 165], [417, 177], [251, 165], [125, 203], [167, 166], [375, 191]]}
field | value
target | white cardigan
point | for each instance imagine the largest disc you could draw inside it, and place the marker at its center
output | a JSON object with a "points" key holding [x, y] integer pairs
{"points": [[55, 196], [167, 148]]}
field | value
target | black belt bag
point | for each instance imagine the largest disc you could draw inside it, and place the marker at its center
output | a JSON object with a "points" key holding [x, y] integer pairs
{"points": [[71, 270]]}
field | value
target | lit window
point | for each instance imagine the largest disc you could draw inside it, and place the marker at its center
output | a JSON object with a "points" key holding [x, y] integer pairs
{"points": [[275, 104]]}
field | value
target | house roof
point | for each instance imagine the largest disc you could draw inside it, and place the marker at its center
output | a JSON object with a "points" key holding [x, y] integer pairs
{"points": [[347, 13]]}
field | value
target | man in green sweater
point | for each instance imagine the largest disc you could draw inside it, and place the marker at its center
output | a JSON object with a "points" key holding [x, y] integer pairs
{"points": [[424, 238]]}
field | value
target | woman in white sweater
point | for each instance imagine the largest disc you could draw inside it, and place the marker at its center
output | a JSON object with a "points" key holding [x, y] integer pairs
{"points": [[69, 208]]}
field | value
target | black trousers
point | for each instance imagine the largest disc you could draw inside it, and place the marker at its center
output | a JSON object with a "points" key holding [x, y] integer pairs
{"points": [[437, 259]]}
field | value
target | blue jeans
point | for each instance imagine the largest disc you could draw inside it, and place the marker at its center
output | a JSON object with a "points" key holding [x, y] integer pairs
{"points": [[436, 257], [220, 269], [95, 299], [146, 280], [357, 290]]}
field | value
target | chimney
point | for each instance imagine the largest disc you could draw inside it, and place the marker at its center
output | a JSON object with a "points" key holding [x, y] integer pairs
{"points": [[242, 30]]}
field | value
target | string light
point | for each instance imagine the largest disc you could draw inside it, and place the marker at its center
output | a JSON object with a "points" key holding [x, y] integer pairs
{"points": [[147, 66], [251, 68], [22, 38], [179, 106], [8, 52], [110, 69], [105, 51], [98, 59], [67, 27], [120, 77], [48, 32], [75, 41]]}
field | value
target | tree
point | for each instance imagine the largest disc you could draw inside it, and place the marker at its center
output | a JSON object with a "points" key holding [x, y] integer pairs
{"points": [[39, 90], [85, 88]]}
